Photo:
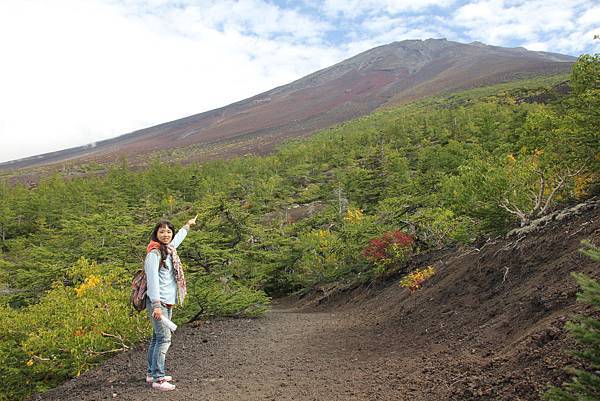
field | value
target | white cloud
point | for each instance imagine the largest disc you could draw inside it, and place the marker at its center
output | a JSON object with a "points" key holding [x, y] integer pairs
{"points": [[356, 8], [536, 46], [256, 17], [536, 22], [590, 18], [535, 15], [572, 42], [75, 72], [383, 23]]}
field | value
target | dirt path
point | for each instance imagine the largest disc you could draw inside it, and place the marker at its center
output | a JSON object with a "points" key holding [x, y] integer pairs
{"points": [[286, 355]]}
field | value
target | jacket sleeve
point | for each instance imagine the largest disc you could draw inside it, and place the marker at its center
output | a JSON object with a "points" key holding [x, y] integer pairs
{"points": [[180, 236], [151, 265]]}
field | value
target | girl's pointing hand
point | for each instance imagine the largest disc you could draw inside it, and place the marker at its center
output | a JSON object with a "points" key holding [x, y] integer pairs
{"points": [[191, 222]]}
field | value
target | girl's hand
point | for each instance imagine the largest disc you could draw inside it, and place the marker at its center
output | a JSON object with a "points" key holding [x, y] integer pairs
{"points": [[157, 313], [191, 222]]}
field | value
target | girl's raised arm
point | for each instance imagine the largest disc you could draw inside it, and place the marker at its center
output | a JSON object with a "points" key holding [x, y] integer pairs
{"points": [[180, 236]]}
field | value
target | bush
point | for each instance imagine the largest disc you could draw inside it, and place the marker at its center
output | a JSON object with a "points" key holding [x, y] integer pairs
{"points": [[334, 252], [585, 385], [415, 279], [68, 331], [212, 295], [392, 248], [438, 226]]}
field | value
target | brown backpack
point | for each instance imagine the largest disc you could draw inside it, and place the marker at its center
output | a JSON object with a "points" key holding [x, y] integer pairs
{"points": [[138, 290]]}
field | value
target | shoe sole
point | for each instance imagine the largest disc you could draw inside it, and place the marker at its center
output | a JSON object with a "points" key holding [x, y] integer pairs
{"points": [[164, 389], [152, 381]]}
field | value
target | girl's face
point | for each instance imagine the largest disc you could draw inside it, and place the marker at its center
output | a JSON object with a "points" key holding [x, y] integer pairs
{"points": [[164, 234]]}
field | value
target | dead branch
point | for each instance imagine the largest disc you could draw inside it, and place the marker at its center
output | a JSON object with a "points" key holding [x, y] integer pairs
{"points": [[504, 248], [577, 232], [513, 209], [487, 242], [118, 337], [561, 182], [558, 215], [540, 203], [510, 245], [198, 315], [540, 195], [554, 190], [110, 351], [517, 241]]}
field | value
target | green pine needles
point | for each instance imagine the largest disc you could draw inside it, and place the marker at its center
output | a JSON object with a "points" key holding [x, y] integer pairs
{"points": [[585, 385]]}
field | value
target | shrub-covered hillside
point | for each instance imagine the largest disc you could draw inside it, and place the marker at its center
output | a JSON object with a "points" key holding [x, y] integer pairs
{"points": [[350, 204]]}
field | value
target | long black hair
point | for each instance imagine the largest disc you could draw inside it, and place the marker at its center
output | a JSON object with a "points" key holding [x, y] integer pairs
{"points": [[163, 247]]}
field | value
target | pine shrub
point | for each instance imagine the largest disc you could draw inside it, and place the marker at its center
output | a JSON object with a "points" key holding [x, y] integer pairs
{"points": [[585, 385]]}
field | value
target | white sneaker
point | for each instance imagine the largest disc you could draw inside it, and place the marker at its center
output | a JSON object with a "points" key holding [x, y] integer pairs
{"points": [[163, 385], [149, 379]]}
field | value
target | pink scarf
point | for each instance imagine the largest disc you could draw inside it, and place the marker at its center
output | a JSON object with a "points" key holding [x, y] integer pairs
{"points": [[177, 268]]}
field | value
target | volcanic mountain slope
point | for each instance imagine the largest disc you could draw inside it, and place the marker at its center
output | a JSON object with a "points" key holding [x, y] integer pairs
{"points": [[488, 326], [394, 73]]}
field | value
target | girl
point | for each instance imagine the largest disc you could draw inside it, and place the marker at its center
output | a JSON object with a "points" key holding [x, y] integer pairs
{"points": [[165, 287]]}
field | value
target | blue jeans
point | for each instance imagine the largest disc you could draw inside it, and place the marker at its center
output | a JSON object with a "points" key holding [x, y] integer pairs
{"points": [[159, 344]]}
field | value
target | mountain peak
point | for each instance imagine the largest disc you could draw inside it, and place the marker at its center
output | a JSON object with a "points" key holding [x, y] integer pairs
{"points": [[400, 71]]}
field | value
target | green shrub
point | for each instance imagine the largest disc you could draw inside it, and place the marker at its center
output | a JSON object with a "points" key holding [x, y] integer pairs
{"points": [[211, 295], [335, 253], [68, 331], [585, 385]]}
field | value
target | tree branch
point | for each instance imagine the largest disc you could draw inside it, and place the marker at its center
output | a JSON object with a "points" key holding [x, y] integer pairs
{"points": [[118, 337], [92, 352], [556, 188], [510, 208], [561, 182], [540, 195]]}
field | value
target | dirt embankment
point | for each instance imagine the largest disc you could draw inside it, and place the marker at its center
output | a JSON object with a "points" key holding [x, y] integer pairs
{"points": [[488, 326]]}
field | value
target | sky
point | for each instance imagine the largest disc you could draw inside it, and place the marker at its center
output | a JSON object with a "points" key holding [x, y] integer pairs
{"points": [[73, 72]]}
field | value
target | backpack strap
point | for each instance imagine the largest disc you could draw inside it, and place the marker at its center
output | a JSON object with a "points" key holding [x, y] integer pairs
{"points": [[157, 253]]}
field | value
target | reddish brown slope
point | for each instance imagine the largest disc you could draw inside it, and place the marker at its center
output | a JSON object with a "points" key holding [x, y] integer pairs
{"points": [[398, 72]]}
